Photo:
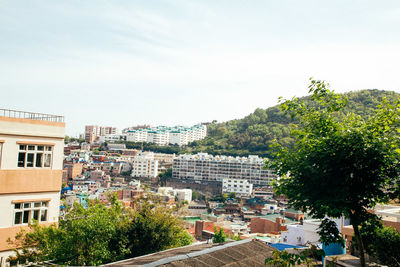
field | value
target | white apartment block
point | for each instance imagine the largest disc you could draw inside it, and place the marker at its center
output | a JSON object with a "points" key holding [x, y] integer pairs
{"points": [[206, 167], [144, 165], [163, 135], [239, 186], [180, 194], [183, 195], [31, 163]]}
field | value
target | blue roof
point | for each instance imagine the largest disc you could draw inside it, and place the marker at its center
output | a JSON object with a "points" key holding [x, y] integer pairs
{"points": [[281, 246]]}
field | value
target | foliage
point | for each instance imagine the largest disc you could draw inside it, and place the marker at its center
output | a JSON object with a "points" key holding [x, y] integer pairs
{"points": [[84, 237], [219, 235], [101, 234], [340, 164], [286, 259], [255, 133], [329, 233], [164, 176], [195, 196], [381, 242], [155, 229], [315, 253], [235, 237], [222, 198]]}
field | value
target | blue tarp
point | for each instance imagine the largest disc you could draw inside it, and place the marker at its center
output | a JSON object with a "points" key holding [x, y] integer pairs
{"points": [[281, 246]]}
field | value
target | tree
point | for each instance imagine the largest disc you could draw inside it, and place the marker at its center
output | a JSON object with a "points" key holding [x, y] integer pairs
{"points": [[84, 237], [219, 235], [329, 233], [380, 242], [339, 165], [101, 234], [195, 196], [164, 176], [155, 229]]}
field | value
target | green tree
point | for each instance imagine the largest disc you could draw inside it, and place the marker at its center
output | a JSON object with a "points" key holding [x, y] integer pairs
{"points": [[339, 165], [329, 233], [84, 237], [219, 235], [164, 176], [101, 234], [381, 242], [155, 229], [195, 196]]}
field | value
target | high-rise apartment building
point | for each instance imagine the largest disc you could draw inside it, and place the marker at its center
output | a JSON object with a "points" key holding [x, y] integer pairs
{"points": [[93, 132], [31, 162], [206, 167], [163, 135]]}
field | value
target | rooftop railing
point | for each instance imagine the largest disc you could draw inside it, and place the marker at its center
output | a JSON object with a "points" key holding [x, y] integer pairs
{"points": [[30, 115]]}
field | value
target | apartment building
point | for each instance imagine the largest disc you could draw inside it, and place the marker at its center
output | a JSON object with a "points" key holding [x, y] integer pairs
{"points": [[93, 132], [31, 166], [73, 169], [144, 165], [163, 135], [206, 167], [239, 186]]}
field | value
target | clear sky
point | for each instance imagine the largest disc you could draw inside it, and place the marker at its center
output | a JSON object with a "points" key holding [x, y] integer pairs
{"points": [[123, 63]]}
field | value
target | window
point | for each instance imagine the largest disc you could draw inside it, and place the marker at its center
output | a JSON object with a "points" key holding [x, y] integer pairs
{"points": [[28, 211], [37, 156]]}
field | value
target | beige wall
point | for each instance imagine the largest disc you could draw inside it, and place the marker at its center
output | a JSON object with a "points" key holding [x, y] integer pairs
{"points": [[27, 127], [30, 181], [7, 207]]}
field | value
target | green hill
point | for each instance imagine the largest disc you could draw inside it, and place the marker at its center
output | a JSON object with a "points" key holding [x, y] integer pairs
{"points": [[254, 133]]}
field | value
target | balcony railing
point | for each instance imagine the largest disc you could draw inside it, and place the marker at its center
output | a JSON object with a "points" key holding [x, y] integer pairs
{"points": [[30, 115]]}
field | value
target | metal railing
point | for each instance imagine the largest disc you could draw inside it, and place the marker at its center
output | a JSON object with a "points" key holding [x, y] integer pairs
{"points": [[30, 115]]}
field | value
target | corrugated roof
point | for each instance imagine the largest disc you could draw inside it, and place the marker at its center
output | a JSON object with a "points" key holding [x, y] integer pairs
{"points": [[246, 252]]}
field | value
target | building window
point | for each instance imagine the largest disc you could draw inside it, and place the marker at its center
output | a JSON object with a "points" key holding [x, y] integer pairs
{"points": [[37, 156], [28, 211]]}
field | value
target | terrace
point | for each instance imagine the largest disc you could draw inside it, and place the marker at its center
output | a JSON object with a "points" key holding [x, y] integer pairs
{"points": [[30, 115]]}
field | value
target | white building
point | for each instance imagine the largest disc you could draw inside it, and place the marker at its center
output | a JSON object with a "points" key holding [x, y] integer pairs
{"points": [[166, 191], [160, 138], [300, 235], [112, 138], [206, 167], [183, 195], [144, 165], [239, 186], [163, 135], [31, 163], [139, 135], [180, 194]]}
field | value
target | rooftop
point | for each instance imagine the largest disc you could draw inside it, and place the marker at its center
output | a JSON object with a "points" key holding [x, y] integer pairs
{"points": [[240, 253], [30, 115]]}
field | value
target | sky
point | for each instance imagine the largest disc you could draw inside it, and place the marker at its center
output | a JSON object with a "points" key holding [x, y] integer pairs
{"points": [[181, 62]]}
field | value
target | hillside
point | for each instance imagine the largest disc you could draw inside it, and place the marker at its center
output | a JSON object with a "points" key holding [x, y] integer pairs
{"points": [[254, 133]]}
